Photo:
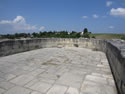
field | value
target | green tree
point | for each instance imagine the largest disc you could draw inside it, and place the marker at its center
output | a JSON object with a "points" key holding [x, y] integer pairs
{"points": [[122, 37], [34, 34], [85, 31], [86, 34]]}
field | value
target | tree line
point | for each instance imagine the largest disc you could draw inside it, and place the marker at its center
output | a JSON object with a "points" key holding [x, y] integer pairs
{"points": [[49, 34]]}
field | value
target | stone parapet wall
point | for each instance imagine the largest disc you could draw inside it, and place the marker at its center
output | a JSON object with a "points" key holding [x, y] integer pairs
{"points": [[9, 47], [115, 52], [114, 49]]}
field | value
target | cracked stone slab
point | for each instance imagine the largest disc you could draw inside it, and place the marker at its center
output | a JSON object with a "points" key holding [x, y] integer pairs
{"points": [[49, 75], [1, 91], [35, 92], [70, 79], [72, 90], [96, 79], [36, 72], [18, 90], [6, 85], [57, 89], [22, 79], [40, 86], [89, 87]]}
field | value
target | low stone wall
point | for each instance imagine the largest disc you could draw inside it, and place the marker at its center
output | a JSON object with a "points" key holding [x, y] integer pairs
{"points": [[9, 47], [115, 51]]}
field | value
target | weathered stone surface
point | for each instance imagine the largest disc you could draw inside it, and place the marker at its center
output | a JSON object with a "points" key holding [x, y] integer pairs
{"points": [[40, 86], [18, 90], [22, 79], [96, 88], [57, 89], [35, 92], [55, 71], [72, 90], [36, 72], [2, 91], [70, 79], [6, 85], [96, 79]]}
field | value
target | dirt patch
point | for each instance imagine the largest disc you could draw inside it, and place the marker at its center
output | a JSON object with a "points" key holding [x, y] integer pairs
{"points": [[95, 49], [51, 62], [76, 45]]}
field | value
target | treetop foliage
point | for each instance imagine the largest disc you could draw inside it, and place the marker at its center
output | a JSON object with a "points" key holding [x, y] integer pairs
{"points": [[49, 34]]}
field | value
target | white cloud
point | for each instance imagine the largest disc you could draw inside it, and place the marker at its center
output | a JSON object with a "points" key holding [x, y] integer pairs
{"points": [[95, 16], [19, 19], [84, 17], [111, 27], [118, 12], [109, 3], [5, 22], [41, 28], [19, 24]]}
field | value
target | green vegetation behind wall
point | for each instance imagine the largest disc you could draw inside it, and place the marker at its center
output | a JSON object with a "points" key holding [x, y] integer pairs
{"points": [[49, 34], [108, 36], [64, 34]]}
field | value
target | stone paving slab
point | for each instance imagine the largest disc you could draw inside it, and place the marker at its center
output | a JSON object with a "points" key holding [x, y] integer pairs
{"points": [[69, 79], [18, 90], [90, 87], [72, 90], [56, 71], [57, 89], [40, 86], [2, 90], [22, 79]]}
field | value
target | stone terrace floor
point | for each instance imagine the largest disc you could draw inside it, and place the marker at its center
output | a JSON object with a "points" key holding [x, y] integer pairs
{"points": [[56, 71]]}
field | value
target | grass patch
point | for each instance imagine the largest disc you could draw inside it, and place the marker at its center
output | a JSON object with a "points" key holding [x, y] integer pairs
{"points": [[108, 36]]}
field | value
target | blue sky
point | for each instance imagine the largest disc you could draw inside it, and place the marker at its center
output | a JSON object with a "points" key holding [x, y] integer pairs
{"points": [[99, 16]]}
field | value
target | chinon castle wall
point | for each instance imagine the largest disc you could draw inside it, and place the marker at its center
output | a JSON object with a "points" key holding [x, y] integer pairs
{"points": [[114, 50]]}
